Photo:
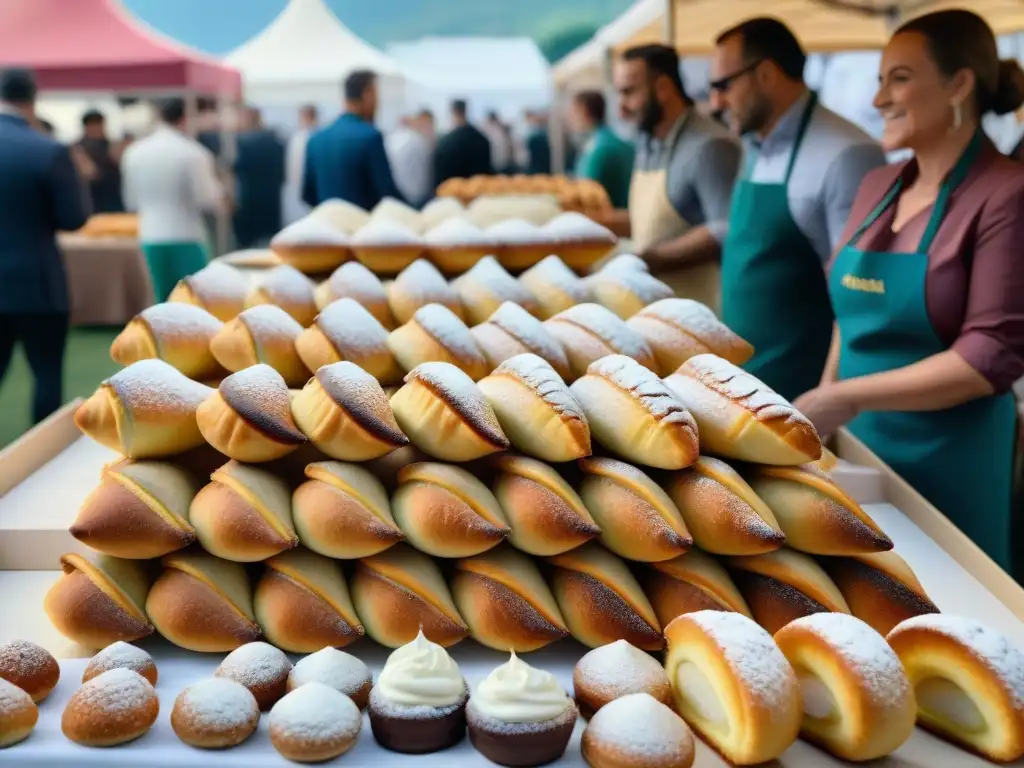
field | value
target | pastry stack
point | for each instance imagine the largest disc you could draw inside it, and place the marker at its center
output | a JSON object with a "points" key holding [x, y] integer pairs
{"points": [[582, 195]]}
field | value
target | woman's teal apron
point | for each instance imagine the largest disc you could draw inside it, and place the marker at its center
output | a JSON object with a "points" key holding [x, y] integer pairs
{"points": [[960, 458], [774, 291]]}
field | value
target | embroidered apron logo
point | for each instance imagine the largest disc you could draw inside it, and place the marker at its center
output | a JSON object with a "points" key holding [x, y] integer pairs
{"points": [[863, 284]]}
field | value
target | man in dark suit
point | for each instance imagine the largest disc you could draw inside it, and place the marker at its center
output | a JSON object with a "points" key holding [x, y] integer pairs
{"points": [[40, 193], [347, 159], [538, 146], [464, 151], [259, 174]]}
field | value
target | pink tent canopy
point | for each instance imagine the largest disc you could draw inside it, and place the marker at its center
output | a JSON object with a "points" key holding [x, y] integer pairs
{"points": [[95, 45]]}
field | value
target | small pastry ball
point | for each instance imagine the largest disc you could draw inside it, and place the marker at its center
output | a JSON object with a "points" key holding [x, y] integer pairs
{"points": [[261, 668], [117, 707], [640, 732], [215, 714], [121, 655], [615, 670], [29, 667], [336, 669], [314, 723], [18, 714]]}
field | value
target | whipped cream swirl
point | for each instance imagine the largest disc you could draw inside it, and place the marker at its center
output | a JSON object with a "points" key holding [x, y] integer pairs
{"points": [[517, 693], [421, 674]]}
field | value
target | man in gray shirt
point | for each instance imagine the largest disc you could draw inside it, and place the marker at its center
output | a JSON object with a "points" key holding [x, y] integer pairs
{"points": [[683, 176]]}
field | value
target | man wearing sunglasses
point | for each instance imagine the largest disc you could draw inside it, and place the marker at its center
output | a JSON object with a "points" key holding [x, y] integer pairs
{"points": [[683, 175], [802, 167]]}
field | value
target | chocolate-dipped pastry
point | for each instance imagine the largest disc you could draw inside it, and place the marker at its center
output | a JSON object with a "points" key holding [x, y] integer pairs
{"points": [[601, 600], [512, 331], [262, 334], [336, 669], [401, 591], [178, 334], [354, 281], [436, 334], [261, 668], [345, 413], [343, 511], [638, 520], [218, 288], [203, 603], [589, 332], [244, 514], [445, 511], [287, 288], [554, 286], [616, 670], [311, 245], [345, 330], [689, 583], [626, 292], [486, 286], [418, 285]]}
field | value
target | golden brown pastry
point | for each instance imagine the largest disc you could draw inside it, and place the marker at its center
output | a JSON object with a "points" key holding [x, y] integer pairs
{"points": [[336, 669], [446, 415], [440, 210], [354, 281], [626, 292], [827, 462], [691, 582], [203, 603], [311, 245], [249, 417], [857, 701], [261, 668], [739, 417], [345, 330], [445, 511], [145, 411], [117, 707], [436, 334], [554, 286], [633, 414], [179, 334], [386, 468], [784, 585], [601, 600], [139, 511], [678, 329], [400, 592], [546, 515], [288, 289], [722, 511], [244, 514], [456, 244], [816, 515], [251, 258], [121, 655], [391, 209], [418, 285], [616, 670], [967, 681], [314, 723], [341, 215], [880, 588], [579, 240], [386, 247], [302, 603], [733, 685], [29, 667], [512, 331], [520, 243], [506, 603], [588, 332], [613, 738], [216, 713], [18, 714], [626, 262], [218, 288], [486, 287], [263, 334], [638, 520]]}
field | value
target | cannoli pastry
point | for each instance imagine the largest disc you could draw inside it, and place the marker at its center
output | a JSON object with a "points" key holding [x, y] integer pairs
{"points": [[215, 713], [520, 244], [386, 246], [446, 415], [601, 600], [554, 286], [733, 685], [392, 209], [546, 515], [536, 410], [121, 655], [342, 511], [632, 413], [346, 414], [311, 245], [436, 334], [178, 334], [261, 668], [505, 602], [218, 288], [341, 215], [439, 210], [145, 411], [100, 599], [588, 332], [263, 334], [486, 287], [400, 592], [336, 669], [345, 330], [691, 582], [678, 329], [18, 714], [512, 331], [354, 281], [314, 724], [386, 468], [625, 292], [739, 417], [784, 585], [722, 511], [638, 520], [968, 681], [827, 462], [302, 603], [816, 515], [31, 668], [579, 240], [139, 511], [203, 603], [880, 588], [288, 289], [418, 285], [117, 707], [456, 244], [445, 511], [857, 701]]}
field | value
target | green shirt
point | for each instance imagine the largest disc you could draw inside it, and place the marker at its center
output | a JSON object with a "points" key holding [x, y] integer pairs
{"points": [[608, 160]]}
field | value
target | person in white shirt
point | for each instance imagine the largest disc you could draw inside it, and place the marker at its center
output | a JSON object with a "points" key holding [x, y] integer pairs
{"points": [[502, 149], [295, 163], [171, 181], [410, 150]]}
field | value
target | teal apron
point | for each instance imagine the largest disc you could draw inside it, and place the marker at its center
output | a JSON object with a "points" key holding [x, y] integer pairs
{"points": [[961, 458], [774, 291]]}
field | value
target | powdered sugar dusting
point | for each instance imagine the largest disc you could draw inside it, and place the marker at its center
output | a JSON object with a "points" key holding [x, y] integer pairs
{"points": [[115, 691], [487, 272], [528, 331], [119, 655], [218, 281], [449, 331], [646, 287], [219, 703], [269, 321], [645, 387], [517, 231], [21, 659], [286, 284], [255, 664], [620, 668], [456, 231], [315, 713], [12, 698], [158, 385], [608, 327], [355, 281], [455, 387], [384, 231], [336, 669], [421, 283], [309, 230], [641, 729], [688, 315], [180, 321], [575, 226], [627, 262], [552, 272], [538, 375], [350, 327], [731, 381]]}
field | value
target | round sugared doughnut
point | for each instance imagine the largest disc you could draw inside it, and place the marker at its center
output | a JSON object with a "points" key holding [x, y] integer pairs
{"points": [[336, 669], [117, 707], [215, 714], [121, 655], [640, 732], [314, 723], [29, 667], [261, 668], [18, 714], [615, 670]]}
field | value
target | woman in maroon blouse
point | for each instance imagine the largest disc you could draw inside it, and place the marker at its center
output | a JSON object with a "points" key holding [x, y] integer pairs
{"points": [[929, 290]]}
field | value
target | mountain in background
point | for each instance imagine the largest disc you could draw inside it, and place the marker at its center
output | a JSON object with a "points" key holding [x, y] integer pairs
{"points": [[219, 26]]}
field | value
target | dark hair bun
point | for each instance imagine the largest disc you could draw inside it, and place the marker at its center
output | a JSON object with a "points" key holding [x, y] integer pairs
{"points": [[1009, 95]]}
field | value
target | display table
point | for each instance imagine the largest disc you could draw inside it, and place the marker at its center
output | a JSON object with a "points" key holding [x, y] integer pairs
{"points": [[108, 281]]}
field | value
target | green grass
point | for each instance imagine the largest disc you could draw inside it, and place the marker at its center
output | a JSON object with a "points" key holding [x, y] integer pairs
{"points": [[86, 363]]}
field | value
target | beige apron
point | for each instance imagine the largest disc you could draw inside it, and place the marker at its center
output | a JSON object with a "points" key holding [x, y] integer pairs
{"points": [[653, 220]]}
